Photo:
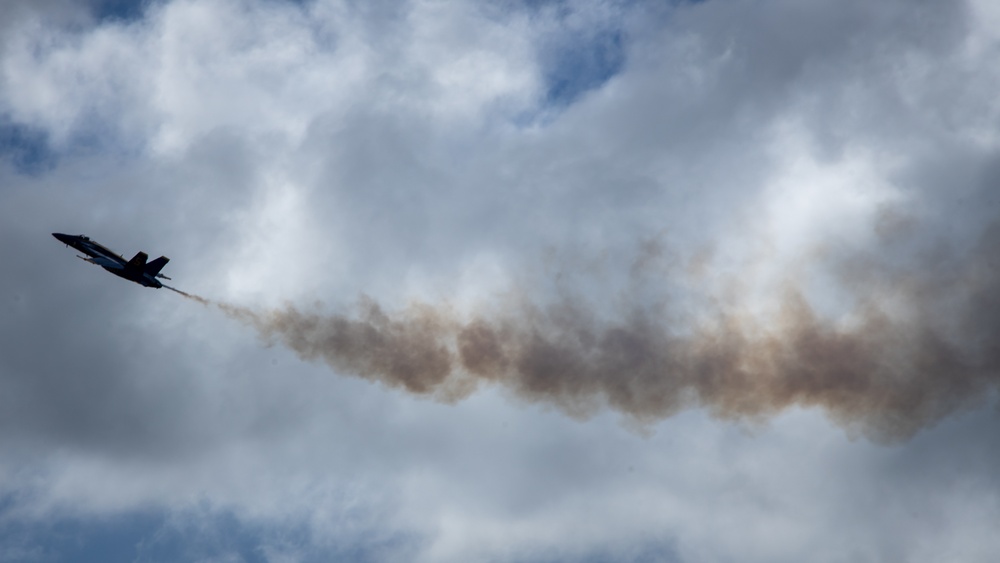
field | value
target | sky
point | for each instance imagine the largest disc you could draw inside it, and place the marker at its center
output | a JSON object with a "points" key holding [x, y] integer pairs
{"points": [[518, 281]]}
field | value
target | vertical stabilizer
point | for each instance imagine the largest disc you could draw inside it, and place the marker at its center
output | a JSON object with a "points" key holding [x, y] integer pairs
{"points": [[137, 263]]}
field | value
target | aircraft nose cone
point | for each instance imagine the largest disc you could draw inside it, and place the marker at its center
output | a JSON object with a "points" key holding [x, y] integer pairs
{"points": [[61, 237]]}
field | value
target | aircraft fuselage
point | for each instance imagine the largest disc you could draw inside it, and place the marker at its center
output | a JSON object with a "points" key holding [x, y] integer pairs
{"points": [[135, 270]]}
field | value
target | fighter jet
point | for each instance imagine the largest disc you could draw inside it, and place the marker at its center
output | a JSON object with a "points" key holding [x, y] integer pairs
{"points": [[136, 269]]}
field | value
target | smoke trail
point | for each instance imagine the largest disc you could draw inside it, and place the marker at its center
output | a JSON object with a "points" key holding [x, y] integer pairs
{"points": [[885, 373], [201, 300]]}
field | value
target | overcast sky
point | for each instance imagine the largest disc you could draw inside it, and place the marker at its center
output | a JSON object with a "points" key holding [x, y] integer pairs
{"points": [[526, 281]]}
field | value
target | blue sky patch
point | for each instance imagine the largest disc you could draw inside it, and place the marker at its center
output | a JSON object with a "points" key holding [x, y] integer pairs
{"points": [[120, 10], [25, 148], [102, 539], [132, 536], [149, 536], [582, 50], [580, 62]]}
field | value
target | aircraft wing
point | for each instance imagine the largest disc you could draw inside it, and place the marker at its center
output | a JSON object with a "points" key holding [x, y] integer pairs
{"points": [[104, 262]]}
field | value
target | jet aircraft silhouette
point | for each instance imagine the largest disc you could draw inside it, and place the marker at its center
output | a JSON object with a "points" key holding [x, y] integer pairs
{"points": [[135, 270]]}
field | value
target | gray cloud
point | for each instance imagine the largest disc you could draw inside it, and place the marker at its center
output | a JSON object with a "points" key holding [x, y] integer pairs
{"points": [[788, 192]]}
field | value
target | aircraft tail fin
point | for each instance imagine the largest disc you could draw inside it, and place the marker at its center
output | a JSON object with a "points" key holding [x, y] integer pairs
{"points": [[138, 262], [153, 268]]}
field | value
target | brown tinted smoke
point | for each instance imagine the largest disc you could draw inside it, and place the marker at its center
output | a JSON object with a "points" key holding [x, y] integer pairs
{"points": [[887, 373]]}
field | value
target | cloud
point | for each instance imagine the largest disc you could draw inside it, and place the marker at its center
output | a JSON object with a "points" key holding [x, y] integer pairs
{"points": [[775, 187]]}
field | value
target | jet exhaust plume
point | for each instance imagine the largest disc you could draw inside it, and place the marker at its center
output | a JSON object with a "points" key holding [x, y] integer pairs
{"points": [[882, 372], [201, 300]]}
